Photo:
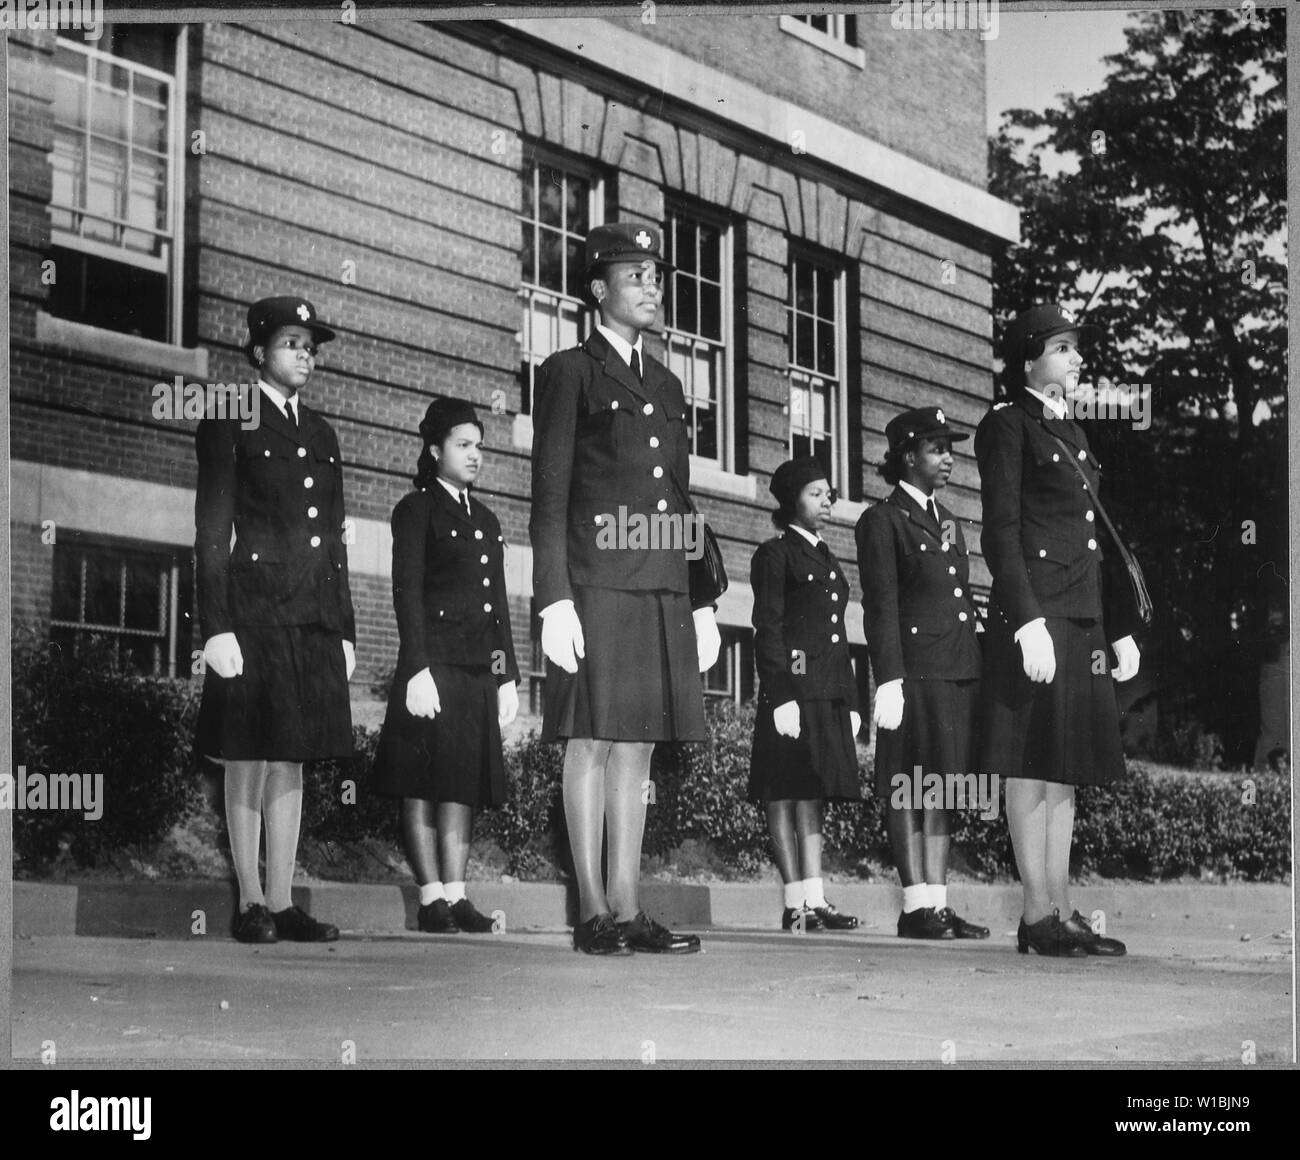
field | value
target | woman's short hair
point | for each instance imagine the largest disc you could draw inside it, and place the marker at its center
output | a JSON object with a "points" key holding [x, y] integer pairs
{"points": [[783, 516], [892, 468]]}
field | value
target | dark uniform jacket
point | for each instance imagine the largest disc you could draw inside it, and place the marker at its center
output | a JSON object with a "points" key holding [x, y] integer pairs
{"points": [[280, 488], [449, 586], [801, 647], [917, 611], [602, 440], [1042, 538]]}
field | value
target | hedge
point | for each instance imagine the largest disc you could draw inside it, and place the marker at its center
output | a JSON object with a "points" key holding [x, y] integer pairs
{"points": [[84, 715]]}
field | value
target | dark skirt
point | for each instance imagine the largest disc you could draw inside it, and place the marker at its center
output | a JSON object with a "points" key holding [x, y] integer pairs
{"points": [[456, 756], [289, 704], [640, 679], [937, 732], [1066, 731], [822, 762]]}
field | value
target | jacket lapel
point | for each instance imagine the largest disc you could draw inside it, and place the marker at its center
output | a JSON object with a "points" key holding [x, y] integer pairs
{"points": [[442, 496], [271, 417], [615, 367]]}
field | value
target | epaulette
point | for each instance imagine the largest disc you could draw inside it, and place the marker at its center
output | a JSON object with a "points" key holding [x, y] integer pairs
{"points": [[999, 406]]}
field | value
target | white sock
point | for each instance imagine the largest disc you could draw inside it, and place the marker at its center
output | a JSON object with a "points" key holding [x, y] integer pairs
{"points": [[455, 892], [812, 893], [915, 897], [430, 892], [794, 895], [938, 896]]}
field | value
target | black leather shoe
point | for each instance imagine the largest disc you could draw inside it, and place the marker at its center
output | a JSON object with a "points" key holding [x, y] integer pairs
{"points": [[800, 916], [600, 936], [254, 925], [1048, 936], [645, 935], [923, 923], [296, 925], [469, 918], [1080, 929], [960, 927], [832, 919], [436, 918]]}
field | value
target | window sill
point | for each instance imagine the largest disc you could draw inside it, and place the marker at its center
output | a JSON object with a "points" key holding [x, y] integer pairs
{"points": [[846, 52], [847, 512], [713, 481], [144, 353]]}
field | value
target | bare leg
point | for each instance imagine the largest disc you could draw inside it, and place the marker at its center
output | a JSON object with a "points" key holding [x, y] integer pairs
{"points": [[584, 811], [1059, 801], [808, 826], [626, 774], [245, 782], [785, 848], [282, 808], [455, 821], [419, 836], [1027, 821]]}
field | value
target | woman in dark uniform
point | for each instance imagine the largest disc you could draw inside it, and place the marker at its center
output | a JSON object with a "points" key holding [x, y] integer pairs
{"points": [[807, 718], [275, 611], [920, 627], [609, 523], [1056, 623], [455, 685]]}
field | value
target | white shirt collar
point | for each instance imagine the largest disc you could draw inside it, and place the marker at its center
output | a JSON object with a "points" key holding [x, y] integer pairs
{"points": [[621, 345], [280, 399], [917, 494], [1056, 406], [452, 490], [807, 535]]}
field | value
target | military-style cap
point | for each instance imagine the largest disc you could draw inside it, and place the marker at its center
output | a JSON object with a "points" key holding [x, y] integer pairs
{"points": [[443, 415], [1040, 323], [268, 315], [793, 476], [919, 423], [624, 242]]}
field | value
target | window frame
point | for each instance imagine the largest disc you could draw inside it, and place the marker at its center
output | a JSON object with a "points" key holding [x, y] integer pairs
{"points": [[726, 396], [171, 266], [835, 42]]}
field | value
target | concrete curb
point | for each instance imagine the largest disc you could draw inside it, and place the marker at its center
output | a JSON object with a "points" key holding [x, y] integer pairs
{"points": [[182, 910]]}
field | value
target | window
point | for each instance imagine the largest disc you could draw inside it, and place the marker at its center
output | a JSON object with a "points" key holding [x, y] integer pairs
{"points": [[140, 599], [841, 28], [835, 34], [732, 678], [817, 363], [536, 674], [115, 201], [697, 332], [558, 207]]}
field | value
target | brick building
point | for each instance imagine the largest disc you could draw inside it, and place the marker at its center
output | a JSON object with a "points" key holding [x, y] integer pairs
{"points": [[820, 181]]}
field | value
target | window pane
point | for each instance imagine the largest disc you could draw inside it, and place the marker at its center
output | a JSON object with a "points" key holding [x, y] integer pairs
{"points": [[685, 247], [825, 293], [550, 200], [527, 191], [803, 287], [527, 259], [576, 205], [149, 128], [710, 253], [143, 593], [687, 314], [711, 311], [550, 273], [66, 604], [706, 432], [108, 113], [826, 348], [575, 255], [803, 341], [103, 590]]}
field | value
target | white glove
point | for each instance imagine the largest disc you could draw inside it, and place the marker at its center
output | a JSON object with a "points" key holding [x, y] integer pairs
{"points": [[422, 695], [221, 654], [855, 720], [507, 703], [562, 635], [1038, 652], [1126, 653], [787, 719], [889, 704], [350, 657], [708, 641]]}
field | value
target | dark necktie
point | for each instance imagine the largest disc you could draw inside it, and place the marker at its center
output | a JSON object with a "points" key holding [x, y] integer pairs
{"points": [[290, 412], [934, 510], [635, 364], [824, 549], [464, 503]]}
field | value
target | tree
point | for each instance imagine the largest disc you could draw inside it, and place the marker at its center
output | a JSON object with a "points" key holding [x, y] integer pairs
{"points": [[1166, 226]]}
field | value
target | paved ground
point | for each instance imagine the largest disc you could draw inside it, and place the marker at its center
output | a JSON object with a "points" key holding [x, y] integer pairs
{"points": [[1189, 991]]}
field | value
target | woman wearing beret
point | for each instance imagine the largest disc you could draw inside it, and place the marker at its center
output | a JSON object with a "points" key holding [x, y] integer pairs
{"points": [[1057, 623], [455, 685], [625, 648], [920, 627], [807, 717], [275, 611]]}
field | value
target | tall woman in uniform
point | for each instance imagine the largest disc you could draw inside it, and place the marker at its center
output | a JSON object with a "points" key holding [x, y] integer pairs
{"points": [[803, 751], [275, 611], [624, 646], [920, 628], [1056, 626], [455, 685]]}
